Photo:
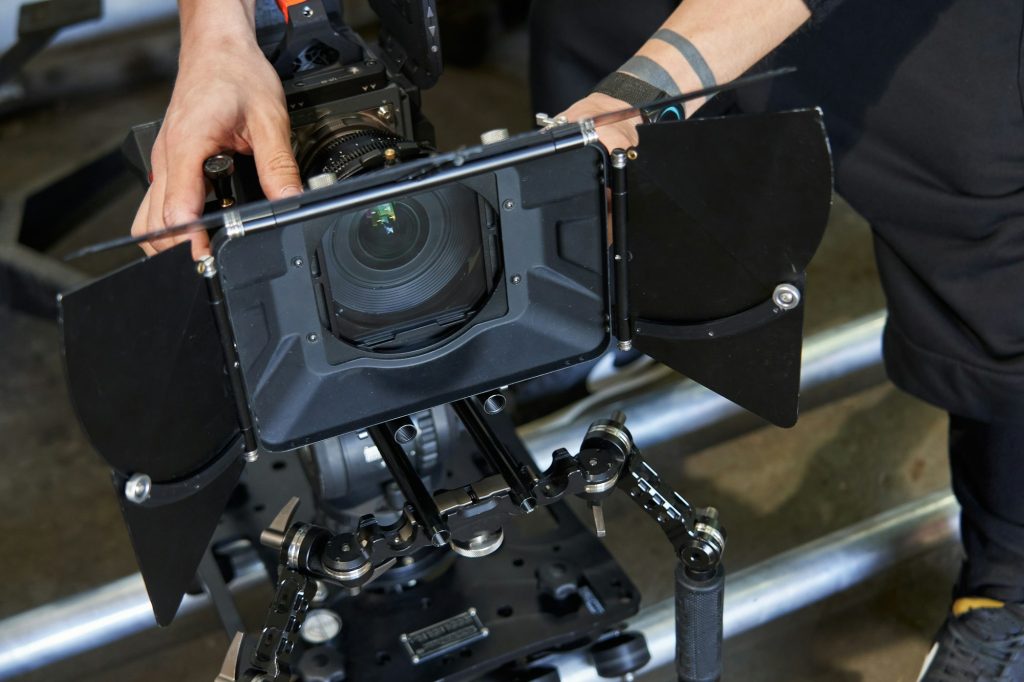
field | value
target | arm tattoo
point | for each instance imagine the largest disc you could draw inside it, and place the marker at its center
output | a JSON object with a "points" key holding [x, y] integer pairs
{"points": [[651, 72], [691, 54]]}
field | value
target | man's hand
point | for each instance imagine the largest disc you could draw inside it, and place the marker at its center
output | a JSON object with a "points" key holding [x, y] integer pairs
{"points": [[227, 97], [621, 135]]}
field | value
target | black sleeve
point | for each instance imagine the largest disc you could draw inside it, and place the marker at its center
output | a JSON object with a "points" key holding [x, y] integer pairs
{"points": [[821, 8]]}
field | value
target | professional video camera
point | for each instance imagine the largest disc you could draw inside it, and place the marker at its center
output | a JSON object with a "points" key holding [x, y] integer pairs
{"points": [[329, 388]]}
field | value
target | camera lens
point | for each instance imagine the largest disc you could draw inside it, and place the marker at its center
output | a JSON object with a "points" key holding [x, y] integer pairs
{"points": [[341, 146], [417, 263], [388, 236]]}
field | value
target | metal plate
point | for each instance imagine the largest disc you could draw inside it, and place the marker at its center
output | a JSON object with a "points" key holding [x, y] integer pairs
{"points": [[450, 634], [721, 211], [146, 369]]}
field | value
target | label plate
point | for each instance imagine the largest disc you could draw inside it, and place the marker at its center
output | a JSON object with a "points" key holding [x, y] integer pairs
{"points": [[444, 636]]}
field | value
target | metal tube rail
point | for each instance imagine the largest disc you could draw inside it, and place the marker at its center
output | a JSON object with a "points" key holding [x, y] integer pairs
{"points": [[90, 620], [410, 483], [799, 577], [495, 452], [668, 410]]}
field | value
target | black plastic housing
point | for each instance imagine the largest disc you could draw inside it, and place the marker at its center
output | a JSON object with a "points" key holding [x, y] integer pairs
{"points": [[548, 311]]}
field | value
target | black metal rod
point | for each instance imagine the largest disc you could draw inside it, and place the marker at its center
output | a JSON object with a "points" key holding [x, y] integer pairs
{"points": [[620, 249], [410, 483], [471, 413], [220, 316], [261, 216]]}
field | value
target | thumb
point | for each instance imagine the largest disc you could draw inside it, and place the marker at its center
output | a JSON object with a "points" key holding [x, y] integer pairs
{"points": [[275, 163]]}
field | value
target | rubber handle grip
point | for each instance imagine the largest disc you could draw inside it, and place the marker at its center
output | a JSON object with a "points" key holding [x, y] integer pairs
{"points": [[700, 605]]}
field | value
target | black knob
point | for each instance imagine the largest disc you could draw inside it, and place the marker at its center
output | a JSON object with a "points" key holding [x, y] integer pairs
{"points": [[621, 654], [218, 170], [557, 580]]}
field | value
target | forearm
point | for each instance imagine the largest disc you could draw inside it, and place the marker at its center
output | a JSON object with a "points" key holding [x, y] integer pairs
{"points": [[713, 41], [211, 22]]}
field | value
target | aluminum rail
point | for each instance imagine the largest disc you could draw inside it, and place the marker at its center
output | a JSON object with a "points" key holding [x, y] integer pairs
{"points": [[90, 620], [799, 577], [661, 410]]}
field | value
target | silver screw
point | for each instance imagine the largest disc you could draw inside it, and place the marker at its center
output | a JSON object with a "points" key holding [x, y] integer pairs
{"points": [[251, 456], [138, 488], [207, 266], [307, 11], [786, 296], [625, 345], [508, 204], [312, 337], [516, 279], [297, 262]]}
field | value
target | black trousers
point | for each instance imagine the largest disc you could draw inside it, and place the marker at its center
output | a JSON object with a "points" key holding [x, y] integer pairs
{"points": [[925, 110]]}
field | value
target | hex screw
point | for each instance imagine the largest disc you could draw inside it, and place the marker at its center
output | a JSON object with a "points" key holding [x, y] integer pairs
{"points": [[786, 296], [138, 488]]}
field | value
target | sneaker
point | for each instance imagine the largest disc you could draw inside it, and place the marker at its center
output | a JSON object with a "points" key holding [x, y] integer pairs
{"points": [[982, 640]]}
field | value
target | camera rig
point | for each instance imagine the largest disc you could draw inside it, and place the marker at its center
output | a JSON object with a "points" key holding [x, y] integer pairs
{"points": [[470, 520], [330, 326]]}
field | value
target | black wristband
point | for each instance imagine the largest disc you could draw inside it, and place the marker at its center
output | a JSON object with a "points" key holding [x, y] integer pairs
{"points": [[629, 89]]}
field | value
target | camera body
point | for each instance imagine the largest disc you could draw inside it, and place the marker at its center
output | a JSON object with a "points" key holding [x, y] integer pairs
{"points": [[362, 316]]}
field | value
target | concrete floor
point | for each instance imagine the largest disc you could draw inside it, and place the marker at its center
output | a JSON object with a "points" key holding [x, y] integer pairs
{"points": [[61, 532]]}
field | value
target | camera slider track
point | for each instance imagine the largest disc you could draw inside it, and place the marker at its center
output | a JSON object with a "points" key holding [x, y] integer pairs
{"points": [[469, 519]]}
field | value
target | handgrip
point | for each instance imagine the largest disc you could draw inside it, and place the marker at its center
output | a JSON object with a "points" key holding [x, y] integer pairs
{"points": [[699, 611]]}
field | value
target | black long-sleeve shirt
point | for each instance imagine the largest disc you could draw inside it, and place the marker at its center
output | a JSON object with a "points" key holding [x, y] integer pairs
{"points": [[820, 8]]}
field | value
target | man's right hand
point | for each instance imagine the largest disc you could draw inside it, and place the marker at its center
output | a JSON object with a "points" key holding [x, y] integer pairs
{"points": [[227, 97]]}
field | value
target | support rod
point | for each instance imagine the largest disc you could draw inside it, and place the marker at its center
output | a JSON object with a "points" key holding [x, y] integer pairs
{"points": [[661, 411], [622, 327], [495, 452], [799, 577], [410, 483]]}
